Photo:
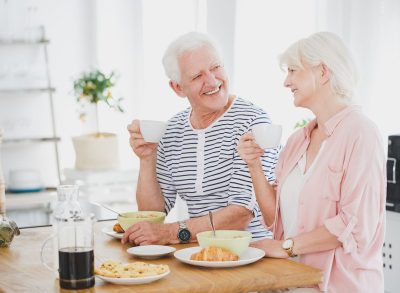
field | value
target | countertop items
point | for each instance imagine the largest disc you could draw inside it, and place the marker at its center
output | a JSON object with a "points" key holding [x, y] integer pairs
{"points": [[21, 269]]}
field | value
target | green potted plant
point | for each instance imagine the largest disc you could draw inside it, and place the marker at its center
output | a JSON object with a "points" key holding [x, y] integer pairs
{"points": [[97, 150], [302, 123]]}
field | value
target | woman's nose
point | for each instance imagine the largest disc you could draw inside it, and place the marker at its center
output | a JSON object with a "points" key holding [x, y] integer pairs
{"points": [[286, 82]]}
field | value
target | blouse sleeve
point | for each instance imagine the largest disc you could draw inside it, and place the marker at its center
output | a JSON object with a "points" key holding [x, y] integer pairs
{"points": [[362, 193]]}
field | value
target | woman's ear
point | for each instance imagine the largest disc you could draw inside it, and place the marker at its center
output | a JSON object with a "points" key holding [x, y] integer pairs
{"points": [[325, 73], [177, 88]]}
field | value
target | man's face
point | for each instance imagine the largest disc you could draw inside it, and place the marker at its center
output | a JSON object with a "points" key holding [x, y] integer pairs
{"points": [[203, 80]]}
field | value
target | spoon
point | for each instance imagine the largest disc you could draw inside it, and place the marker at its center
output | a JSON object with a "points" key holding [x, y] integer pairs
{"points": [[211, 222], [106, 207]]}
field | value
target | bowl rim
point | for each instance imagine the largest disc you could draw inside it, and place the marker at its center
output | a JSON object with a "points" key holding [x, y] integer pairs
{"points": [[249, 235], [159, 214]]}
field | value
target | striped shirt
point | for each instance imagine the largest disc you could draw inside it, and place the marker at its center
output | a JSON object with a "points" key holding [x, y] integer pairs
{"points": [[203, 167]]}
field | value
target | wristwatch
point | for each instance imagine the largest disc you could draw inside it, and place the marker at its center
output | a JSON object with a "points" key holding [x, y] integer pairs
{"points": [[183, 233], [287, 245]]}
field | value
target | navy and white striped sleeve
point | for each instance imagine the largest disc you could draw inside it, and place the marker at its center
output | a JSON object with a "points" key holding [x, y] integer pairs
{"points": [[241, 185], [270, 157], [165, 180]]}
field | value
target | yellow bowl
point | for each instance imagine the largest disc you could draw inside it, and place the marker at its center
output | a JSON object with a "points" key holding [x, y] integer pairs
{"points": [[234, 240], [128, 219]]}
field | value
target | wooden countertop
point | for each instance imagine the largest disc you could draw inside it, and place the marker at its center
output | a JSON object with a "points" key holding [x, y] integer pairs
{"points": [[22, 271]]}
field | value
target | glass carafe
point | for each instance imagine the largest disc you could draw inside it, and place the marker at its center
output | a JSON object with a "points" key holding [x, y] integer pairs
{"points": [[73, 241]]}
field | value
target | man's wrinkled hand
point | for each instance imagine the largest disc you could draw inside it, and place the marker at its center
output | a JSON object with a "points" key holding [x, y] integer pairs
{"points": [[141, 148], [145, 233]]}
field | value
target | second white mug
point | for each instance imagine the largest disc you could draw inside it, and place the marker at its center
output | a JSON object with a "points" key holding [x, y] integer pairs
{"points": [[267, 135]]}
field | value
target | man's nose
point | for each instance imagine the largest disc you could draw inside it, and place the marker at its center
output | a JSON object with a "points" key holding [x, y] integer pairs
{"points": [[210, 79]]}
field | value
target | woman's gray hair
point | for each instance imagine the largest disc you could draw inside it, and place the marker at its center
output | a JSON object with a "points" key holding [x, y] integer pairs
{"points": [[329, 49], [185, 43]]}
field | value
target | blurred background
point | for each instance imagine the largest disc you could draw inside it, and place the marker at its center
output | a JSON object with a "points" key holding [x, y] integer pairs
{"points": [[130, 36], [45, 46]]}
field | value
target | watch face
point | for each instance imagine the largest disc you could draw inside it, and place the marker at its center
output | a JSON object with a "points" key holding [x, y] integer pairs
{"points": [[184, 235], [288, 243]]}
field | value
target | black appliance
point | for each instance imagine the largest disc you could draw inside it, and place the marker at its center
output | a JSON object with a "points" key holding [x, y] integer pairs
{"points": [[393, 174]]}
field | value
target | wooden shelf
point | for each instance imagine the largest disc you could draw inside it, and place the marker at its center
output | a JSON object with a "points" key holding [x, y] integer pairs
{"points": [[23, 42], [29, 140], [14, 200], [27, 90]]}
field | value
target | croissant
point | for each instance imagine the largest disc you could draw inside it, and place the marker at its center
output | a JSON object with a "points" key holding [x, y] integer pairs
{"points": [[214, 254], [117, 228]]}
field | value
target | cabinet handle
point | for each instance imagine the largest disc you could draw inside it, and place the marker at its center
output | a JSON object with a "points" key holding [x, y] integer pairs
{"points": [[393, 180]]}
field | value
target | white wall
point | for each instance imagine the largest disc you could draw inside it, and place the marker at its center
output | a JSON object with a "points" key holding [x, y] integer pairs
{"points": [[131, 36]]}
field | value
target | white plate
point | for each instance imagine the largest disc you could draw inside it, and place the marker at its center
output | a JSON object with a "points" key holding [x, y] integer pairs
{"points": [[133, 281], [110, 232], [151, 251], [251, 255]]}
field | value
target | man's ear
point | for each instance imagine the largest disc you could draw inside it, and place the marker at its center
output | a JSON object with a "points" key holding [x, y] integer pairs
{"points": [[325, 73], [177, 88]]}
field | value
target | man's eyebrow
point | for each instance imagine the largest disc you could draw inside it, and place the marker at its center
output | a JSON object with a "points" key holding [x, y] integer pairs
{"points": [[193, 75]]}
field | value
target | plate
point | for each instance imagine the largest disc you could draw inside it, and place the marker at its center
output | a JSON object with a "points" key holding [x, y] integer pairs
{"points": [[251, 255], [110, 232], [133, 281], [151, 251]]}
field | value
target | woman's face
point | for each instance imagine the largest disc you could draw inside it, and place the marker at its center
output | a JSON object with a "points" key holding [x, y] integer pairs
{"points": [[303, 84], [203, 80]]}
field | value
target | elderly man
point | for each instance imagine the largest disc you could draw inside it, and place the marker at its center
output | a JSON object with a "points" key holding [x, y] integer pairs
{"points": [[197, 159]]}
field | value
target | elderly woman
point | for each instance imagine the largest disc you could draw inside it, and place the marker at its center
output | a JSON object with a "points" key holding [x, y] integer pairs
{"points": [[197, 158], [327, 205]]}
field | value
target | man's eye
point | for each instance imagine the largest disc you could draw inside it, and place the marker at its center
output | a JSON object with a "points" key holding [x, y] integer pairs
{"points": [[196, 77], [216, 67]]}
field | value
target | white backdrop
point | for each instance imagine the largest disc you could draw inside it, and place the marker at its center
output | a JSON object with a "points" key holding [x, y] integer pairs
{"points": [[129, 36]]}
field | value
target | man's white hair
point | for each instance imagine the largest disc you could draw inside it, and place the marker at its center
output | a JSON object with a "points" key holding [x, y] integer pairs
{"points": [[185, 43], [329, 49]]}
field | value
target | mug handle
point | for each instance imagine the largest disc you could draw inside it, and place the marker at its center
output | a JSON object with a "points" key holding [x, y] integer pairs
{"points": [[41, 254]]}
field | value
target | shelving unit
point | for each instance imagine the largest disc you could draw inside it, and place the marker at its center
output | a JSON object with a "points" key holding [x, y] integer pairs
{"points": [[27, 90], [46, 89]]}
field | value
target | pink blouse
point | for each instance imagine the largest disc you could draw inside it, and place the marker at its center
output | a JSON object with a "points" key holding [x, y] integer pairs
{"points": [[346, 193]]}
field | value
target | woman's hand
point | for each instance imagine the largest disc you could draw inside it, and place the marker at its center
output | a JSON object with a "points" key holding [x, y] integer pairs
{"points": [[272, 248], [249, 150], [144, 150]]}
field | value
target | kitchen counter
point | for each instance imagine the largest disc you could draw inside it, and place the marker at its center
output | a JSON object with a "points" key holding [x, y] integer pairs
{"points": [[22, 271]]}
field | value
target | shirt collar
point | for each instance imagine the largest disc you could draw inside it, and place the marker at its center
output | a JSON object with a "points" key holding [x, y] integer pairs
{"points": [[330, 125]]}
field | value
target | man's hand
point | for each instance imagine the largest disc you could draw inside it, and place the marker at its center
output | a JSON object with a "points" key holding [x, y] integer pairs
{"points": [[142, 149], [272, 248], [249, 150], [144, 233]]}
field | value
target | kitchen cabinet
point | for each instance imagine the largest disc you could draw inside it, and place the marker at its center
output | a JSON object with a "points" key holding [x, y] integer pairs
{"points": [[391, 252]]}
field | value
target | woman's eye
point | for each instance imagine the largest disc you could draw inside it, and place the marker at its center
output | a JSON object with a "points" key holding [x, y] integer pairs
{"points": [[216, 67]]}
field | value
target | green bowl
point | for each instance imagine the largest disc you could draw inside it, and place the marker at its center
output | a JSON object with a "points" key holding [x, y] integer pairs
{"points": [[128, 219], [234, 240]]}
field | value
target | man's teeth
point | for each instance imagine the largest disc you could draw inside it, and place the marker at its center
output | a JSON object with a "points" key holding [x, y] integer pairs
{"points": [[212, 92]]}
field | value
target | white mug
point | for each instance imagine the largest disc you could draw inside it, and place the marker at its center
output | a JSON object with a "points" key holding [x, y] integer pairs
{"points": [[152, 130], [267, 135]]}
